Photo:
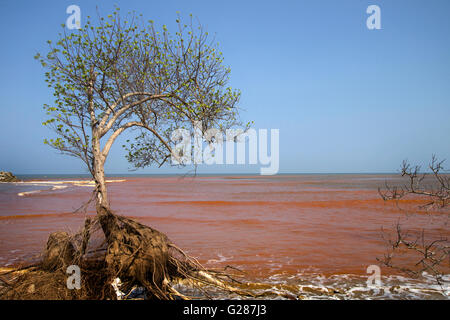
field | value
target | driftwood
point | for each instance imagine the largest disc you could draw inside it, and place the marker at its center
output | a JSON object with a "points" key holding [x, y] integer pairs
{"points": [[431, 254]]}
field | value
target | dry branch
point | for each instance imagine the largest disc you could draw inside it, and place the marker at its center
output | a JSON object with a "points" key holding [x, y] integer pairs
{"points": [[430, 256]]}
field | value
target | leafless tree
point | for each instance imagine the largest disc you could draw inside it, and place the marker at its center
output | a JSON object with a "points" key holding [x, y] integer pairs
{"points": [[437, 193], [430, 254]]}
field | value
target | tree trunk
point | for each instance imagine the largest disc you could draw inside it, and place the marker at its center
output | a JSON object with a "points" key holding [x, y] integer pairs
{"points": [[101, 196], [102, 203]]}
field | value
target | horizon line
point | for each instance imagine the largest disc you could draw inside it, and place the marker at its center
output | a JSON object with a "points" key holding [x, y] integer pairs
{"points": [[209, 174]]}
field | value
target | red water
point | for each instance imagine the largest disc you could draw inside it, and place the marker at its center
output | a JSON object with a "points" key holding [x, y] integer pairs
{"points": [[263, 225]]}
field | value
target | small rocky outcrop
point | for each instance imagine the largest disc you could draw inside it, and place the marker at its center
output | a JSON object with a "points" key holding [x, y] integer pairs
{"points": [[7, 177]]}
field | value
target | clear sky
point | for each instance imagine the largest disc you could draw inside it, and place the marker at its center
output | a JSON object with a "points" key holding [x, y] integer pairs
{"points": [[345, 98]]}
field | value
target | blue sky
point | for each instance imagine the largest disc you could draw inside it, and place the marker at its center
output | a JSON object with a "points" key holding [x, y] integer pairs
{"points": [[345, 98]]}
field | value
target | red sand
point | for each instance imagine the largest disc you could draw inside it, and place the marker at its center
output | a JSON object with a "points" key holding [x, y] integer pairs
{"points": [[265, 225]]}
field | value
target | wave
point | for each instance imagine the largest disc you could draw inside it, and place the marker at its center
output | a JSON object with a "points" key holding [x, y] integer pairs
{"points": [[221, 258], [349, 286], [338, 287], [57, 185]]}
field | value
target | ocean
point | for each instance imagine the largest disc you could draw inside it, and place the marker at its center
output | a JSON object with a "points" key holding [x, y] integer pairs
{"points": [[310, 235]]}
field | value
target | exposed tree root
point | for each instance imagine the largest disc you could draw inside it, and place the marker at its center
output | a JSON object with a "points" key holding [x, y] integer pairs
{"points": [[116, 253]]}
